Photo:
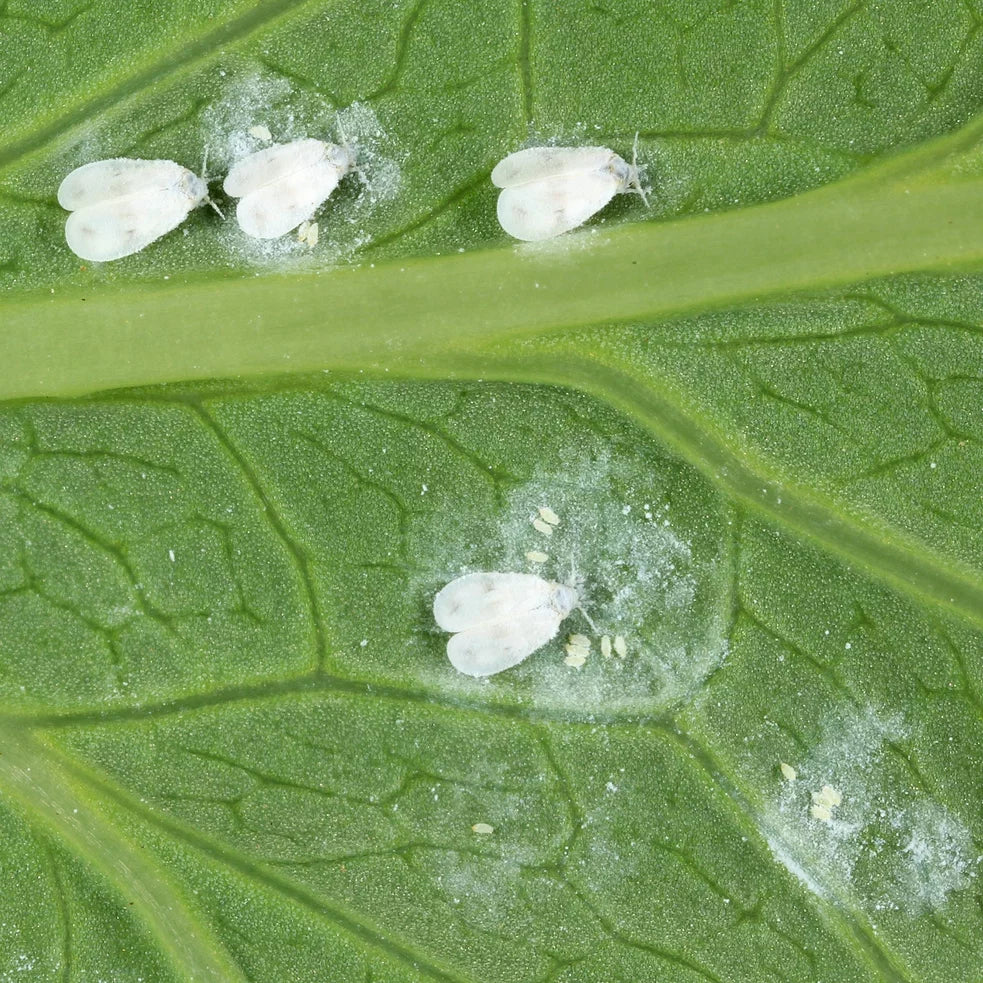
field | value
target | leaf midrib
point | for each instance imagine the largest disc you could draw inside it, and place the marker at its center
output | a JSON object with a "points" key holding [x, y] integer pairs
{"points": [[883, 221]]}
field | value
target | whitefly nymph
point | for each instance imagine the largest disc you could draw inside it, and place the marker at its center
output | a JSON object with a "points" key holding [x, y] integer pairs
{"points": [[122, 205], [499, 619], [550, 190]]}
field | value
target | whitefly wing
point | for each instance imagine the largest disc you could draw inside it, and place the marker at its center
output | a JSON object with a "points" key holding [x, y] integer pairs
{"points": [[274, 210], [116, 228], [486, 598], [539, 163], [546, 208], [273, 164], [493, 647], [106, 180]]}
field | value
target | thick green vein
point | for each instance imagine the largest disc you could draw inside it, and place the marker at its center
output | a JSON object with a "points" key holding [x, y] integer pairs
{"points": [[189, 56], [904, 216], [55, 789], [839, 911], [882, 552], [321, 684], [47, 792]]}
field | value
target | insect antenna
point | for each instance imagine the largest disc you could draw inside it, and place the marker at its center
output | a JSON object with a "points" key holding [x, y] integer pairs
{"points": [[587, 618], [204, 177]]}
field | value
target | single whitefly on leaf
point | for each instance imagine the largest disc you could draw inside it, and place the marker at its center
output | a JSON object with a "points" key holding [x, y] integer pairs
{"points": [[550, 190], [282, 186], [500, 619], [295, 114], [659, 583], [122, 205]]}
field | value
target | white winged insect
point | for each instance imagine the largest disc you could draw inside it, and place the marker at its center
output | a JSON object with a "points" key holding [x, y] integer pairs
{"points": [[120, 206], [499, 619], [282, 186], [550, 190]]}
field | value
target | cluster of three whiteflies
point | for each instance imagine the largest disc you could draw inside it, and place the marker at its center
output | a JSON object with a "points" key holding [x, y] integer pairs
{"points": [[122, 205]]}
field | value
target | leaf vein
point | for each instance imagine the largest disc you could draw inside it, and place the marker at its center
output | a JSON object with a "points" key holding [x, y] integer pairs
{"points": [[295, 550]]}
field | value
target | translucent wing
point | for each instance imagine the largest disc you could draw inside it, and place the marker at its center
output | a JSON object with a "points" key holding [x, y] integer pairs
{"points": [[490, 648], [116, 228], [273, 210], [268, 166], [546, 208], [538, 163], [478, 599], [105, 180]]}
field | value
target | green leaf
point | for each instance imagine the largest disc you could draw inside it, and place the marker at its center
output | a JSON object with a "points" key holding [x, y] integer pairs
{"points": [[232, 479]]}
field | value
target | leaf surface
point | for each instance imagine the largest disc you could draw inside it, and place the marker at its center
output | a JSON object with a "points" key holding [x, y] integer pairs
{"points": [[233, 476]]}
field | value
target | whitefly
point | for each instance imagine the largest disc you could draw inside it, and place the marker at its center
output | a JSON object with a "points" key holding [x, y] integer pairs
{"points": [[550, 190], [121, 205], [282, 186], [500, 619]]}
